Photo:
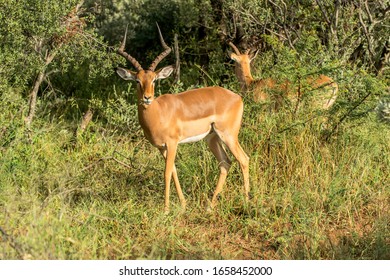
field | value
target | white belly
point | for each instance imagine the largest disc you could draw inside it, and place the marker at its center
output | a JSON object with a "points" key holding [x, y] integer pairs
{"points": [[194, 138]]}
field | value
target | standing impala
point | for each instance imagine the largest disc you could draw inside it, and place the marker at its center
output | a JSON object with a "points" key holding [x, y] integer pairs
{"points": [[213, 113], [325, 88]]}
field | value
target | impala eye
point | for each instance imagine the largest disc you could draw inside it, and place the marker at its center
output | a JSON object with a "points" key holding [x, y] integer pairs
{"points": [[138, 81]]}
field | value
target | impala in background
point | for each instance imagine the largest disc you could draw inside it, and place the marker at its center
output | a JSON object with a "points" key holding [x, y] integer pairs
{"points": [[322, 88]]}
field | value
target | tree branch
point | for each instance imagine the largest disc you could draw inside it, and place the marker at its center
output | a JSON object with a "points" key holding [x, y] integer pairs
{"points": [[177, 61], [324, 12], [366, 34], [283, 12]]}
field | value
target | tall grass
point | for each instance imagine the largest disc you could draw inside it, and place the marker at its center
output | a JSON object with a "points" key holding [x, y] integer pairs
{"points": [[103, 197]]}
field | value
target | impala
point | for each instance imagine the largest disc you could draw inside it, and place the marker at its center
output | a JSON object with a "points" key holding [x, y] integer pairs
{"points": [[324, 88], [213, 113]]}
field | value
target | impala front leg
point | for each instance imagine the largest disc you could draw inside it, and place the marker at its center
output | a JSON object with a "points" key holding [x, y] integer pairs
{"points": [[169, 168], [176, 181]]}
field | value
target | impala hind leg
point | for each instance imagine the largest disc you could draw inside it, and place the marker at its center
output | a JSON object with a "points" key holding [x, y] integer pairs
{"points": [[224, 163], [237, 151], [243, 159], [169, 155]]}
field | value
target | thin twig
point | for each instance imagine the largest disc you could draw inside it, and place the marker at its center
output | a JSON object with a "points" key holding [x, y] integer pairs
{"points": [[110, 158], [368, 12], [296, 124], [8, 238], [346, 115]]}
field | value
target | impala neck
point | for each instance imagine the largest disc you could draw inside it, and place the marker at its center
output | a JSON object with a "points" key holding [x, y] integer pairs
{"points": [[147, 116], [243, 73]]}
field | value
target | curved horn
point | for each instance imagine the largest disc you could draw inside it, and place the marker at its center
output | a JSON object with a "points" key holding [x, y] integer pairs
{"points": [[167, 50], [234, 48], [121, 51]]}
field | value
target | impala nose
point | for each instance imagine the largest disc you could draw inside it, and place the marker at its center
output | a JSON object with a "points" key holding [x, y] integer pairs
{"points": [[147, 100]]}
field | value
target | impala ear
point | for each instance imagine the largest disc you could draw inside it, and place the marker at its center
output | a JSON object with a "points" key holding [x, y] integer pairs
{"points": [[164, 72], [126, 74], [233, 56], [253, 54]]}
